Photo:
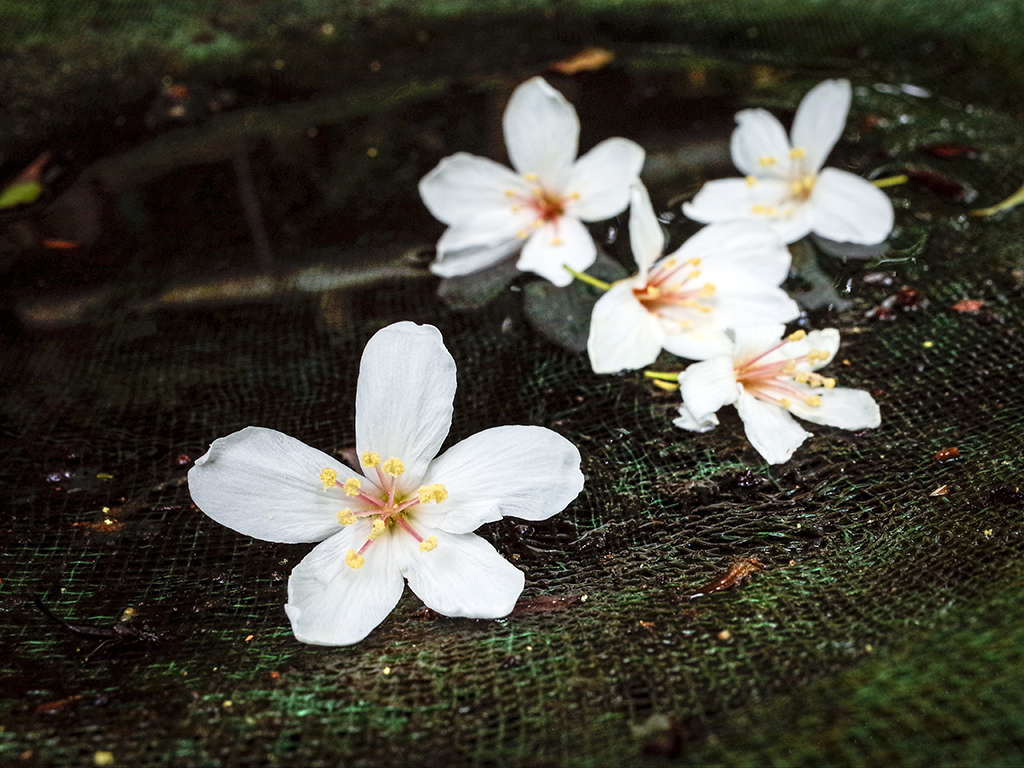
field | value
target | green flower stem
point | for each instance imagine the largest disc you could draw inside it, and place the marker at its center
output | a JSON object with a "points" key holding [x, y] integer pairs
{"points": [[583, 277], [662, 375], [891, 181]]}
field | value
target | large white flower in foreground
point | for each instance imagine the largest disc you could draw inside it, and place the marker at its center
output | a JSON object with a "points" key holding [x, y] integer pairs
{"points": [[770, 380], [785, 183], [726, 275], [492, 211], [406, 515]]}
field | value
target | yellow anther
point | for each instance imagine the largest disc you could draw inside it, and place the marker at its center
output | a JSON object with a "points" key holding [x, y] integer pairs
{"points": [[352, 486], [379, 526], [785, 403], [435, 493], [818, 356], [354, 560], [521, 234], [370, 459], [797, 336], [685, 325], [669, 263], [797, 152], [510, 193], [346, 517], [767, 210], [708, 289], [653, 291], [694, 262], [556, 241], [328, 477], [828, 383], [394, 467], [802, 377], [574, 196], [428, 544], [813, 400], [703, 309], [530, 177], [789, 366], [668, 386], [766, 160], [751, 181], [537, 192]]}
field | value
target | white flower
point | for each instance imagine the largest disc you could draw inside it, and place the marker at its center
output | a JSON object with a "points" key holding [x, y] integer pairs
{"points": [[726, 275], [769, 381], [408, 514], [786, 185], [492, 212]]}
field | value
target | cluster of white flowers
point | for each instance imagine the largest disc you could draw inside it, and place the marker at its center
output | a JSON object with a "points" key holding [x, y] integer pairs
{"points": [[406, 514], [717, 299]]}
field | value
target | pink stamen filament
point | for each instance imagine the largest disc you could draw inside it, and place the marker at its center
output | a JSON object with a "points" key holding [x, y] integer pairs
{"points": [[407, 528]]}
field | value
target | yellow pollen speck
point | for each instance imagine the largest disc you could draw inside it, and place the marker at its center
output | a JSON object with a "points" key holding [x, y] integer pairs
{"points": [[428, 544], [751, 181], [797, 336], [797, 152], [394, 467], [785, 403], [828, 383], [346, 517], [574, 196], [813, 400], [354, 560], [510, 193], [370, 459], [928, 344], [436, 493], [767, 210], [103, 758], [352, 486], [328, 477], [708, 289], [378, 528], [766, 160]]}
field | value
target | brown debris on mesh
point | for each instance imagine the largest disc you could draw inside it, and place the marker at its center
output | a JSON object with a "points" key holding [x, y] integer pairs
{"points": [[947, 454], [545, 604], [740, 570]]}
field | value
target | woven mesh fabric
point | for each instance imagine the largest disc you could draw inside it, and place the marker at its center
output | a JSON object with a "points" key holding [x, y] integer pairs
{"points": [[885, 625]]}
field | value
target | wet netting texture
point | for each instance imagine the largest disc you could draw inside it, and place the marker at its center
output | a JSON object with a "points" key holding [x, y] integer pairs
{"points": [[885, 625]]}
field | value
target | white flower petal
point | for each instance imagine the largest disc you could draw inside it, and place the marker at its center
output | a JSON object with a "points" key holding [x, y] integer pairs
{"points": [[759, 145], [465, 261], [744, 304], [825, 340], [797, 221], [265, 484], [688, 421], [698, 343], [720, 200], [623, 334], [330, 603], [849, 209], [753, 340], [645, 234], [602, 178], [764, 201], [462, 576], [404, 397], [841, 407], [565, 242], [820, 120], [708, 385], [512, 471], [748, 248], [541, 133], [465, 188], [770, 429]]}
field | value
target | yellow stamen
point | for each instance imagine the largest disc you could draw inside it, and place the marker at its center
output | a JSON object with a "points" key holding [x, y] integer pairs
{"points": [[370, 459], [510, 193], [766, 160], [797, 152], [521, 234], [435, 493], [352, 486], [669, 263], [574, 196], [556, 241], [666, 385], [828, 383], [751, 181], [354, 560], [428, 544], [694, 274], [813, 400], [818, 356], [653, 291], [785, 403], [328, 477], [694, 262], [767, 210], [789, 366], [378, 528], [708, 289], [530, 177], [802, 377], [394, 467], [797, 336], [346, 517]]}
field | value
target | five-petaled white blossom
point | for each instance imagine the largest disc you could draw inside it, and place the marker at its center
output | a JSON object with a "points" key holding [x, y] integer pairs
{"points": [[406, 514], [724, 276], [771, 379], [785, 183], [492, 211]]}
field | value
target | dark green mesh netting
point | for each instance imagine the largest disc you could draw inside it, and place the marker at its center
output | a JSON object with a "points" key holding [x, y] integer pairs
{"points": [[887, 625]]}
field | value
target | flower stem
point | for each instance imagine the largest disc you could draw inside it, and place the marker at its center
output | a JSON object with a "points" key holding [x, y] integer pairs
{"points": [[891, 181], [662, 375], [583, 277], [1011, 202]]}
